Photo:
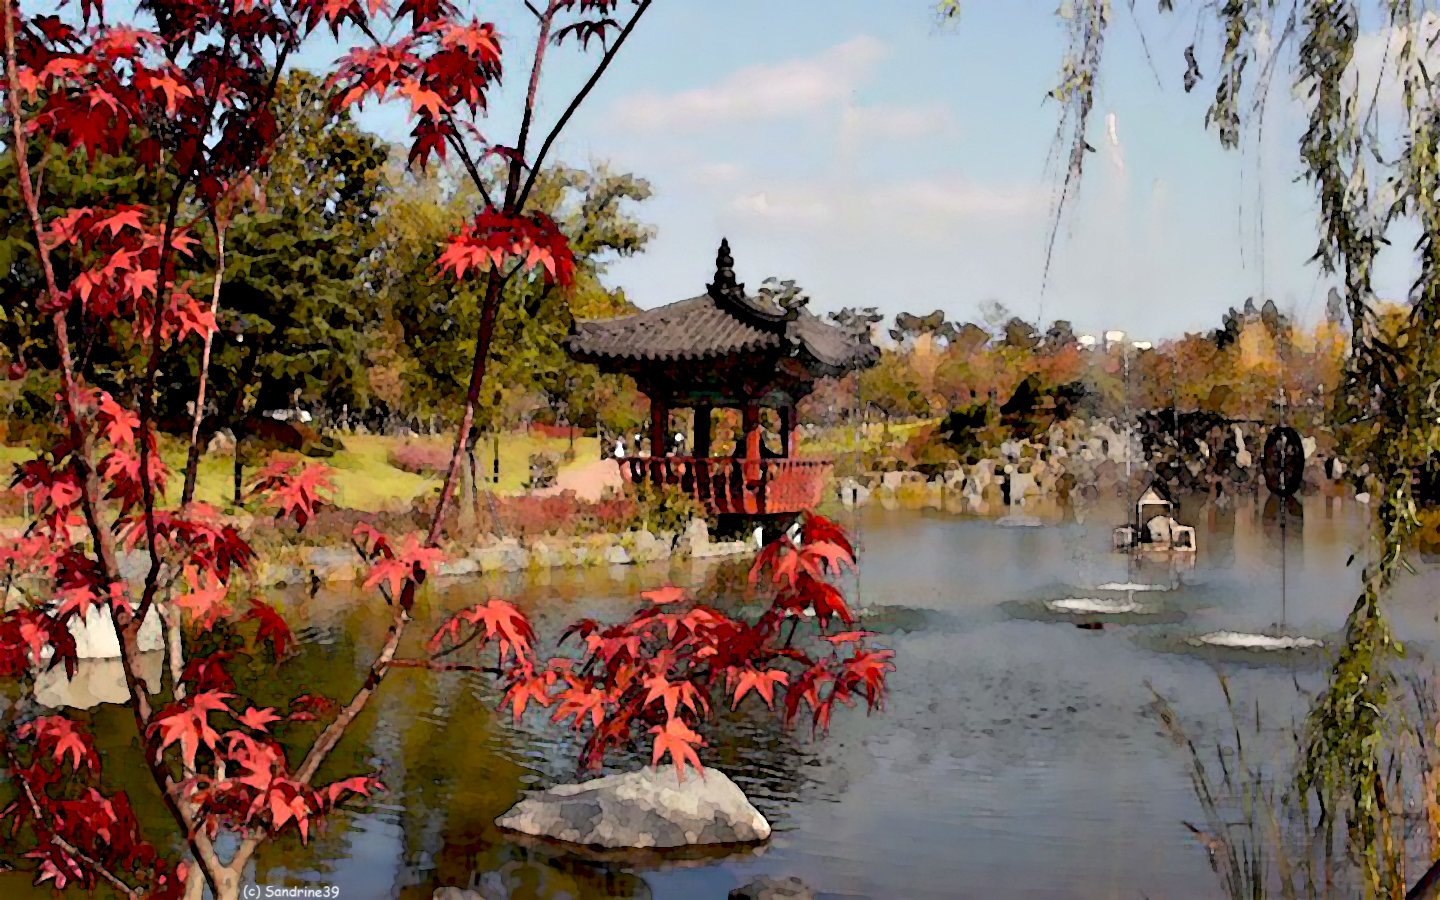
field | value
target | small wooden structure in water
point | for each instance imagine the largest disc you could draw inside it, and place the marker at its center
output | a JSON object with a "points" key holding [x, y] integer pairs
{"points": [[728, 350], [1154, 528]]}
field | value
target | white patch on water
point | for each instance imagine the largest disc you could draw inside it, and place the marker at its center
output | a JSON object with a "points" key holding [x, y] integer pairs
{"points": [[1245, 641], [1131, 586], [1018, 521], [1085, 605]]}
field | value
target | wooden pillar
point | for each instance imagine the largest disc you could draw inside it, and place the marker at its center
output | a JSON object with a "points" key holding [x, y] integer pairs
{"points": [[700, 442], [750, 423], [659, 427], [788, 434]]}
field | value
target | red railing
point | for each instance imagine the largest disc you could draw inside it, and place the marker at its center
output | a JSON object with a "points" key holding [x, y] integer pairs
{"points": [[728, 485]]}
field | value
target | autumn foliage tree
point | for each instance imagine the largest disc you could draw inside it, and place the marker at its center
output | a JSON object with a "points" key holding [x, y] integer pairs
{"points": [[660, 675]]}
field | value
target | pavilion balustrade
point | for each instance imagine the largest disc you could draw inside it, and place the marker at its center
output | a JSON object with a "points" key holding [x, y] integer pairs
{"points": [[726, 485]]}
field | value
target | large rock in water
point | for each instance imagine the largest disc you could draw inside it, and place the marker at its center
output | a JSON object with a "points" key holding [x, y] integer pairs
{"points": [[649, 808]]}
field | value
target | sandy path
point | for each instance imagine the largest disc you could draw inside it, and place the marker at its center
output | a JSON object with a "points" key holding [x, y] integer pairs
{"points": [[588, 481]]}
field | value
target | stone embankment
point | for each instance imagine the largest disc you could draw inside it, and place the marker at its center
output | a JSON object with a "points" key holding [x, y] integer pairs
{"points": [[491, 554]]}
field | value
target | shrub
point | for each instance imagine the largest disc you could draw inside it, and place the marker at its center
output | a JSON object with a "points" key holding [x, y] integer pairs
{"points": [[420, 459], [663, 508]]}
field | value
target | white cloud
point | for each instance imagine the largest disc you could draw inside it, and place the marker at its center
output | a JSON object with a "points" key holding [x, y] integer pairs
{"points": [[717, 173], [948, 198], [792, 88], [890, 123], [791, 206], [928, 205]]}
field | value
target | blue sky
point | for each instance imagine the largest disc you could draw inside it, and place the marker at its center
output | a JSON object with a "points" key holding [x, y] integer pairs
{"points": [[883, 160]]}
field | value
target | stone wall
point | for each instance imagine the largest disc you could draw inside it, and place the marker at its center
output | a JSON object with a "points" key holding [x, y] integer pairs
{"points": [[504, 554]]}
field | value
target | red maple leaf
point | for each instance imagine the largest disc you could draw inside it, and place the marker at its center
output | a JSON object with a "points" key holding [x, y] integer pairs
{"points": [[58, 738], [817, 528], [117, 423], [286, 805], [580, 699], [295, 494], [824, 557], [272, 630], [501, 620], [258, 719], [411, 564], [763, 683], [673, 693], [677, 739], [205, 600], [527, 687], [868, 668], [187, 724]]}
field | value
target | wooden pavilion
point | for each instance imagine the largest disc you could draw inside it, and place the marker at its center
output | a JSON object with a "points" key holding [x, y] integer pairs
{"points": [[726, 349]]}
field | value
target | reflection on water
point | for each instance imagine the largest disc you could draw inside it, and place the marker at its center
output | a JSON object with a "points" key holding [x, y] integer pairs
{"points": [[1016, 756]]}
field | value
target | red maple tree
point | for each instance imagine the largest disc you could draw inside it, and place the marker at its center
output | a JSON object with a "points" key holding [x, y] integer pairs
{"points": [[187, 91]]}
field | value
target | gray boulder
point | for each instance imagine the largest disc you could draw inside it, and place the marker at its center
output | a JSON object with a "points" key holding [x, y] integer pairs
{"points": [[457, 568], [505, 555], [649, 808], [333, 564], [95, 636], [767, 888], [647, 547], [694, 538]]}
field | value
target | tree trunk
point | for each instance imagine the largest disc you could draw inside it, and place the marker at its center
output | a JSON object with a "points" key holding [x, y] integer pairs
{"points": [[468, 509], [239, 469], [227, 881]]}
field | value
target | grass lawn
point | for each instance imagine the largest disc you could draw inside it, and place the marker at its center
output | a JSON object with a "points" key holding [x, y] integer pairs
{"points": [[363, 476]]}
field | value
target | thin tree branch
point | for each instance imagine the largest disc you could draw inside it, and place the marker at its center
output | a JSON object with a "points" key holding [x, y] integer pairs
{"points": [[192, 461], [93, 864], [576, 101], [460, 148], [513, 193], [436, 666]]}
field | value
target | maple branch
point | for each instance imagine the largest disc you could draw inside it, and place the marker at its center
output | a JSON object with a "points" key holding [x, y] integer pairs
{"points": [[127, 626], [470, 166], [512, 185], [192, 460], [478, 630], [435, 666], [147, 400], [530, 6], [82, 450], [578, 99], [62, 843], [326, 742]]}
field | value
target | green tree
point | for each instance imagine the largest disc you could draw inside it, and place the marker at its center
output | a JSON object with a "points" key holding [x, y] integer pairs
{"points": [[431, 324], [294, 308]]}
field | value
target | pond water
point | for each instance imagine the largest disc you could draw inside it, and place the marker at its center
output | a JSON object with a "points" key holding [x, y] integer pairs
{"points": [[1018, 755]]}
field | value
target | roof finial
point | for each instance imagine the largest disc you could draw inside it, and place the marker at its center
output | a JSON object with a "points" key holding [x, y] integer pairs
{"points": [[725, 284]]}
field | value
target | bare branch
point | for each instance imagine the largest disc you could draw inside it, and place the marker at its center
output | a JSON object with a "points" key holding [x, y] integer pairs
{"points": [[575, 103]]}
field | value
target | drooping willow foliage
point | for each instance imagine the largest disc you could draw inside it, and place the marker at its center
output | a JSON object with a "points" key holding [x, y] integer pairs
{"points": [[1369, 171]]}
